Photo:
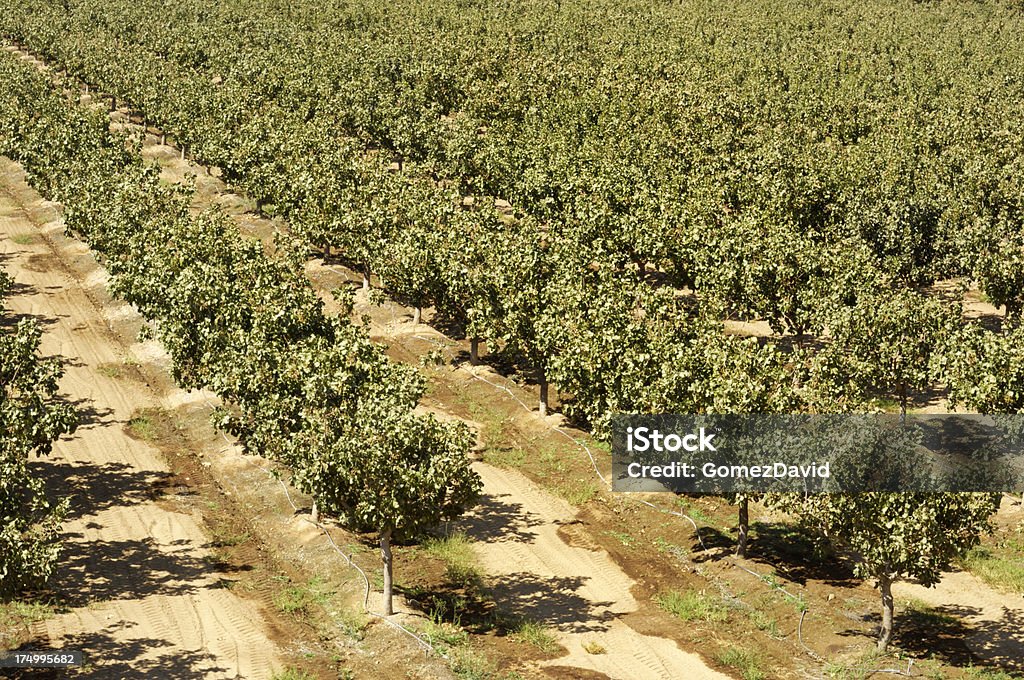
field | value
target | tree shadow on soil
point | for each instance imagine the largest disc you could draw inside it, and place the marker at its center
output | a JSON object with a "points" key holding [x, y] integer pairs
{"points": [[550, 601], [112, 658], [133, 569], [999, 642], [941, 633], [788, 549], [498, 518], [95, 487]]}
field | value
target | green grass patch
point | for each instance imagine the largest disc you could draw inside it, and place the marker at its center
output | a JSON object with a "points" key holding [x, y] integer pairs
{"points": [[577, 491], [765, 622], [291, 673], [110, 370], [24, 239], [747, 662], [300, 599], [1003, 569], [927, 615], [143, 427], [16, 617], [456, 551], [535, 634], [692, 606]]}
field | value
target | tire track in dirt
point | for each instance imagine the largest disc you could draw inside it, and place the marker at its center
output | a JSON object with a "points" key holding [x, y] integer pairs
{"points": [[143, 597], [581, 594]]}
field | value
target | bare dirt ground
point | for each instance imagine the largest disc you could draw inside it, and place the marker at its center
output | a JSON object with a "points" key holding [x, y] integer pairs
{"points": [[144, 599], [578, 591]]}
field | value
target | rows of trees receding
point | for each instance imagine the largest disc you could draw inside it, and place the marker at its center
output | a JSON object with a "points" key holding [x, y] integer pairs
{"points": [[842, 171], [303, 388]]}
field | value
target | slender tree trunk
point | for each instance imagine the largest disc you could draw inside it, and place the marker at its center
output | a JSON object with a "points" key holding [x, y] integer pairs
{"points": [[744, 525], [385, 556], [474, 351], [163, 139], [182, 152], [314, 513], [903, 404], [543, 405], [885, 633], [327, 252], [366, 277], [417, 311]]}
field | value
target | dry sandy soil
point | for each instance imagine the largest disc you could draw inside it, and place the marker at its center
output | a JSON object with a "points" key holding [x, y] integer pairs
{"points": [[146, 601]]}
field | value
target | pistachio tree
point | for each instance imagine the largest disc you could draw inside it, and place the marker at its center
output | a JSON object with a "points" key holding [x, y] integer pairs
{"points": [[31, 419]]}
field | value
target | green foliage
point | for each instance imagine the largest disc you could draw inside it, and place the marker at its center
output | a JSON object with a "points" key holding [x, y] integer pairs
{"points": [[747, 662], [536, 635], [31, 419], [692, 606], [456, 551]]}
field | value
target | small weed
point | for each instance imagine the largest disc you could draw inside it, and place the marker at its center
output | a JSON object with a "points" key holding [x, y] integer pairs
{"points": [[223, 539], [142, 427], [765, 622], [443, 634], [744, 660], [623, 538], [593, 647], [299, 599], [576, 492], [110, 370], [987, 673], [352, 622], [468, 664], [24, 239], [292, 674], [692, 606], [532, 633], [456, 551]]}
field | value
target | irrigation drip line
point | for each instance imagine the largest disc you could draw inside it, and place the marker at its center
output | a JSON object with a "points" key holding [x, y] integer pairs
{"points": [[348, 558]]}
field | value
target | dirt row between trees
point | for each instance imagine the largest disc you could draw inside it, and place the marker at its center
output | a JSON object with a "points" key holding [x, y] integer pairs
{"points": [[143, 595], [581, 594], [570, 583]]}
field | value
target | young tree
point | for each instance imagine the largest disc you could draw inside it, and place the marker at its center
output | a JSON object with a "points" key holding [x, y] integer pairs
{"points": [[31, 419], [899, 535], [388, 470]]}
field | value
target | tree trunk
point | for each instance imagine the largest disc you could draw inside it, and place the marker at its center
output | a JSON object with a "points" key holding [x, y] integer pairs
{"points": [[543, 405], [744, 525], [385, 556], [903, 404], [314, 513], [163, 139], [182, 152], [474, 351], [327, 252], [366, 277], [416, 313], [885, 632]]}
